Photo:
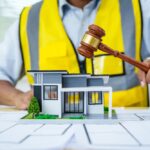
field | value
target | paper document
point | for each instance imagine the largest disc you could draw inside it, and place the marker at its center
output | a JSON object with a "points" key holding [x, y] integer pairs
{"points": [[12, 116], [144, 116], [140, 130], [17, 133], [109, 135], [52, 129], [5, 125]]}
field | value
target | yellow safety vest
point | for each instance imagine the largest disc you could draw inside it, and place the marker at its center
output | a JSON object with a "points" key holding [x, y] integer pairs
{"points": [[46, 46]]}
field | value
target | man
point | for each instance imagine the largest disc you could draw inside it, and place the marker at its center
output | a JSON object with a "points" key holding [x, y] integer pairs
{"points": [[50, 33]]}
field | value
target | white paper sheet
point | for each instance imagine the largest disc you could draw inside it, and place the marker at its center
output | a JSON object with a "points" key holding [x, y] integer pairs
{"points": [[128, 117], [47, 142], [12, 116], [42, 142], [52, 129], [140, 130], [5, 125], [99, 128], [109, 135], [144, 116], [18, 133], [112, 139], [38, 143], [80, 134]]}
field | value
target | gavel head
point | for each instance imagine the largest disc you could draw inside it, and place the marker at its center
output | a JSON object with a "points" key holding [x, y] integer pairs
{"points": [[91, 41]]}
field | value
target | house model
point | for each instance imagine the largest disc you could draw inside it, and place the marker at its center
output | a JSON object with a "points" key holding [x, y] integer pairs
{"points": [[60, 93]]}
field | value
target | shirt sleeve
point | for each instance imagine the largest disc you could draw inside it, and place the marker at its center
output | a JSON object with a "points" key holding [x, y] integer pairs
{"points": [[145, 5], [10, 55]]}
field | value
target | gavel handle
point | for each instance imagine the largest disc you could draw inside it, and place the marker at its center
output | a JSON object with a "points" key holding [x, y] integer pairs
{"points": [[126, 58]]}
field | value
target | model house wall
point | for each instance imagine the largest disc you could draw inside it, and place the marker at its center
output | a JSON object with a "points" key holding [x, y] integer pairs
{"points": [[74, 81]]}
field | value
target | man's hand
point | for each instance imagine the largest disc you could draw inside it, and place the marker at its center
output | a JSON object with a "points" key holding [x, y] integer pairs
{"points": [[11, 96], [144, 77], [22, 100]]}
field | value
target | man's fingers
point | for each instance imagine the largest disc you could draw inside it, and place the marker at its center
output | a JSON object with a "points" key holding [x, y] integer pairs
{"points": [[23, 106], [30, 93], [28, 96], [142, 78], [25, 99], [148, 77]]}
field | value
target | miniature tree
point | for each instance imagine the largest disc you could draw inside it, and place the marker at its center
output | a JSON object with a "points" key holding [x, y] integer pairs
{"points": [[34, 107]]}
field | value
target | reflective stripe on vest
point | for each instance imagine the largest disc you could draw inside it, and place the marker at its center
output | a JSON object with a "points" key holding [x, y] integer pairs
{"points": [[33, 27], [127, 17], [129, 78]]}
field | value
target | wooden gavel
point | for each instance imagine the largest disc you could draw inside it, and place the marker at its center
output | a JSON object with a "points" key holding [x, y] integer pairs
{"points": [[91, 42]]}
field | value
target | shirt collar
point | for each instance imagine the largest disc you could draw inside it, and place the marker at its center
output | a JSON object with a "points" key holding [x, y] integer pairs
{"points": [[63, 4]]}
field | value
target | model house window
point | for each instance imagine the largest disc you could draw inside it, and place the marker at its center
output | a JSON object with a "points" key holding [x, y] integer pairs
{"points": [[73, 102], [94, 98], [51, 92], [73, 97]]}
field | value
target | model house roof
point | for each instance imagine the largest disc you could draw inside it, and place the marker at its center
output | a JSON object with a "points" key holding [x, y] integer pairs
{"points": [[48, 71], [68, 80]]}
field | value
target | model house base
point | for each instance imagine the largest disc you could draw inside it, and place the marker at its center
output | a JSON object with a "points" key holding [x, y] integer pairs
{"points": [[60, 93]]}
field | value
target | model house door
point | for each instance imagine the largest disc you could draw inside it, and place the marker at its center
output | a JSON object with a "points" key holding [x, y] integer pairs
{"points": [[37, 94], [74, 102]]}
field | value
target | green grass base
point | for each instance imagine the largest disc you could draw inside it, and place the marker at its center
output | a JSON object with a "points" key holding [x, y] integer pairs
{"points": [[75, 117], [46, 116]]}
